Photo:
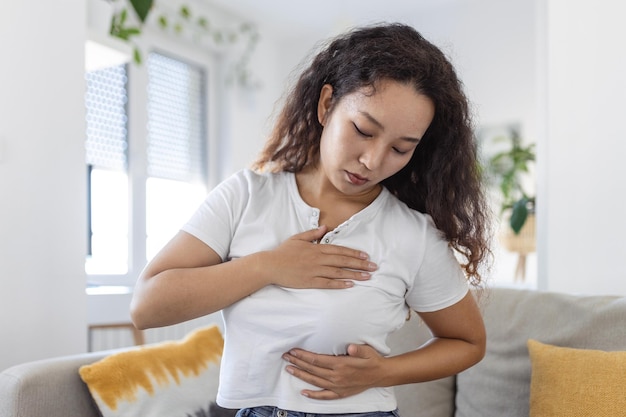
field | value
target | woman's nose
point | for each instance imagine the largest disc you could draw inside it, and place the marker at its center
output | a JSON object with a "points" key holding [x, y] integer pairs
{"points": [[372, 157]]}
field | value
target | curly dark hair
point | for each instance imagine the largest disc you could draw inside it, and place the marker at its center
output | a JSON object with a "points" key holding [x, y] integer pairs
{"points": [[443, 178]]}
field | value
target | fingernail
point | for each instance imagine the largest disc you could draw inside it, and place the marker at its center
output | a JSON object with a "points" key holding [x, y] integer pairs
{"points": [[363, 255], [365, 274], [372, 265], [348, 284]]}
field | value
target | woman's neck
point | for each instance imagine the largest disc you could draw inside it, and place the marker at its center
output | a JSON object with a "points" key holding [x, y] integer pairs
{"points": [[335, 207]]}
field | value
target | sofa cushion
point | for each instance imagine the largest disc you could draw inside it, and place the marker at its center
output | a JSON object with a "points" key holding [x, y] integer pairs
{"points": [[425, 399], [500, 384], [177, 378], [576, 382]]}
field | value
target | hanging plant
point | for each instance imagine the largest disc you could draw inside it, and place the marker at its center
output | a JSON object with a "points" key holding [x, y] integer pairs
{"points": [[123, 28], [128, 21]]}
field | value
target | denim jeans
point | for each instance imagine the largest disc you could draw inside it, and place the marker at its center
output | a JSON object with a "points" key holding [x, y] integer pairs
{"points": [[277, 412]]}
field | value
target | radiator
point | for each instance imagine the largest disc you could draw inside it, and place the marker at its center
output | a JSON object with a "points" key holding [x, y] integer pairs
{"points": [[121, 335]]}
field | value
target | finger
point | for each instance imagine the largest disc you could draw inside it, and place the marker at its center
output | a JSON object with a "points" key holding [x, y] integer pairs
{"points": [[343, 261], [358, 351], [311, 362], [344, 251], [331, 284], [335, 273], [316, 234], [321, 395], [327, 389], [311, 235]]}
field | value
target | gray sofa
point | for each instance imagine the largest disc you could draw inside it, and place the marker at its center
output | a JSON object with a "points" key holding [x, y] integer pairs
{"points": [[498, 386]]}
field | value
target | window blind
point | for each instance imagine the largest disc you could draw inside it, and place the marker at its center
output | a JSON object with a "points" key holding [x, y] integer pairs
{"points": [[106, 98], [176, 114]]}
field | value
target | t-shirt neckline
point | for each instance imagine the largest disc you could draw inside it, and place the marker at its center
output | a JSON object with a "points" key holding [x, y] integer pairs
{"points": [[364, 214]]}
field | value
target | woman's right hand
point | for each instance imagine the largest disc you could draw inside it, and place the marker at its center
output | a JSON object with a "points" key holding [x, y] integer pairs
{"points": [[299, 262]]}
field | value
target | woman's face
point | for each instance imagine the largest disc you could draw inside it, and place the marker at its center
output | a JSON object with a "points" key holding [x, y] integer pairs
{"points": [[369, 137]]}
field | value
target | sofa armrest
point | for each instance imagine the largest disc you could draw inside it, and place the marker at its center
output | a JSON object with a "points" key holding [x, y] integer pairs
{"points": [[50, 387]]}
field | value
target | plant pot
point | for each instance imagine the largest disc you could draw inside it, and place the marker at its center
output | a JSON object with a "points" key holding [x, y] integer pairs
{"points": [[522, 243]]}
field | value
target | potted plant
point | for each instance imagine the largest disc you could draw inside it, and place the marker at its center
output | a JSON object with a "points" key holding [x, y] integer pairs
{"points": [[505, 170]]}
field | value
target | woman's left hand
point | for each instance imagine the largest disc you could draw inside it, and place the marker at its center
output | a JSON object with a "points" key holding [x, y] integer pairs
{"points": [[337, 376]]}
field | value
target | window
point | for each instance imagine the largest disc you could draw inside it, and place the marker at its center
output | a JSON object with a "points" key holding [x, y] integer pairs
{"points": [[146, 156], [176, 147], [106, 153]]}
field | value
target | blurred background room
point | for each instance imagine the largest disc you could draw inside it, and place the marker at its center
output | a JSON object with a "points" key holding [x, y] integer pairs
{"points": [[108, 143]]}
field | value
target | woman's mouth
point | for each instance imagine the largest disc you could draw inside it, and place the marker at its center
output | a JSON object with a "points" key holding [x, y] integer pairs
{"points": [[356, 179]]}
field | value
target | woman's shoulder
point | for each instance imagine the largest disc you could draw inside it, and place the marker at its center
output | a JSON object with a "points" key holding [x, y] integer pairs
{"points": [[402, 211], [408, 218], [262, 176], [255, 180]]}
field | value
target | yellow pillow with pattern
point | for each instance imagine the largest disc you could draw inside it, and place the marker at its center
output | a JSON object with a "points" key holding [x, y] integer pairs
{"points": [[177, 378], [571, 382]]}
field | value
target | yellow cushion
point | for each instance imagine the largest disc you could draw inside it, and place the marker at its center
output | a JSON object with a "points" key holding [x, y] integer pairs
{"points": [[576, 382], [177, 378]]}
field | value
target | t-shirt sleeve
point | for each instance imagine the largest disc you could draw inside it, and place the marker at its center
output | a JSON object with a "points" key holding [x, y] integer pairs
{"points": [[215, 221], [440, 280]]}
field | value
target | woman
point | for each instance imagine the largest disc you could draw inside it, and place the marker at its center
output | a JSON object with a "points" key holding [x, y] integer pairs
{"points": [[367, 186]]}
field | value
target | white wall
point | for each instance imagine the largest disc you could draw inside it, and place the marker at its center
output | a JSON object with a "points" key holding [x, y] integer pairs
{"points": [[249, 114], [42, 180], [585, 148]]}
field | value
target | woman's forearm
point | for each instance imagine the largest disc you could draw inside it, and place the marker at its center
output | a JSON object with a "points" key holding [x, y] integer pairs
{"points": [[181, 294], [440, 358], [459, 342]]}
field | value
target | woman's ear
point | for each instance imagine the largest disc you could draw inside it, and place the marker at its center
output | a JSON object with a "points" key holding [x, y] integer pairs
{"points": [[323, 105]]}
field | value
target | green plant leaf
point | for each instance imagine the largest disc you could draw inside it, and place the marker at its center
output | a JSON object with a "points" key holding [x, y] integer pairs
{"points": [[203, 22], [132, 31], [519, 215], [163, 22], [142, 8], [123, 16], [185, 12], [137, 55], [127, 33]]}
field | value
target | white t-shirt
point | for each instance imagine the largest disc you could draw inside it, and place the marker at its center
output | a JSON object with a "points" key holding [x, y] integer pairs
{"points": [[252, 212]]}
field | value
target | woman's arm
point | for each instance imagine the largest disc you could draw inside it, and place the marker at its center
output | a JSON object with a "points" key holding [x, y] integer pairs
{"points": [[458, 343], [187, 279]]}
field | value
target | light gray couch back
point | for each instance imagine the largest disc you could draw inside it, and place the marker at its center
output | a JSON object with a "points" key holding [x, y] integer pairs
{"points": [[500, 384]]}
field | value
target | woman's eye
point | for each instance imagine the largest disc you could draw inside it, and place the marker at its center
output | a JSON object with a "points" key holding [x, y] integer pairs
{"points": [[400, 152], [360, 132]]}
